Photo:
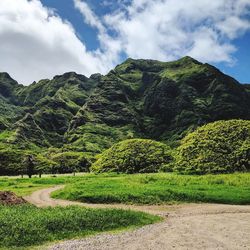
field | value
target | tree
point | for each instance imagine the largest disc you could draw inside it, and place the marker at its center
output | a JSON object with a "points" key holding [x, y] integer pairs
{"points": [[10, 162], [71, 162], [30, 164], [134, 156], [218, 147]]}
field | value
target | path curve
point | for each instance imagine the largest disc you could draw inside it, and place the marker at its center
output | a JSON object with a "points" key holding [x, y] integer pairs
{"points": [[188, 226]]}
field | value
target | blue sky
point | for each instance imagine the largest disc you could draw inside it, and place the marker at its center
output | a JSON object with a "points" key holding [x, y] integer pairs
{"points": [[241, 69], [42, 38]]}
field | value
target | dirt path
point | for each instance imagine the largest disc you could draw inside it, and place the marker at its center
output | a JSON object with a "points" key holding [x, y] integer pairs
{"points": [[188, 226]]}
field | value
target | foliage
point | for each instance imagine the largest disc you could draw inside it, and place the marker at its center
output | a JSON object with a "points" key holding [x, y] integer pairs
{"points": [[68, 162], [95, 138], [138, 99], [12, 162], [133, 156], [158, 188], [25, 225], [219, 147]]}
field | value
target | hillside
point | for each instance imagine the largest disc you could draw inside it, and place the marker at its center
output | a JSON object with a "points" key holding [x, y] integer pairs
{"points": [[139, 98]]}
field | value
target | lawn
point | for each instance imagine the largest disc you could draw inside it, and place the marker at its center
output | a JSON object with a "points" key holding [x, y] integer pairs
{"points": [[141, 188], [25, 186], [159, 188], [24, 226]]}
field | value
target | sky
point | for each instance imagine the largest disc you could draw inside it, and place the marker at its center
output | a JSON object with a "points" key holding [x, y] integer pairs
{"points": [[43, 38]]}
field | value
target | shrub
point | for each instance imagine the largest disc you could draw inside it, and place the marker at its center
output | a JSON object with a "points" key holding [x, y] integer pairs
{"points": [[133, 156], [219, 147], [10, 162], [14, 162], [68, 162]]}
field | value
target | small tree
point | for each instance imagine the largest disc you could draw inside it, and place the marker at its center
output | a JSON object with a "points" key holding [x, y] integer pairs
{"points": [[44, 165], [134, 156], [30, 164], [218, 147], [71, 162]]}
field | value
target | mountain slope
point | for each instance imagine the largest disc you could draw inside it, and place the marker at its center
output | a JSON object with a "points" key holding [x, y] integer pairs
{"points": [[139, 98], [161, 100]]}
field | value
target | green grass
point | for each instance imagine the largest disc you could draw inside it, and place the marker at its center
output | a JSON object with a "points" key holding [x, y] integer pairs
{"points": [[26, 225], [159, 188], [140, 188], [26, 186], [186, 70]]}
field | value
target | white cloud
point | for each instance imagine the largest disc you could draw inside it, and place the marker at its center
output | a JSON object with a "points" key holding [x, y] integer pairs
{"points": [[36, 43], [169, 29], [110, 48], [89, 16]]}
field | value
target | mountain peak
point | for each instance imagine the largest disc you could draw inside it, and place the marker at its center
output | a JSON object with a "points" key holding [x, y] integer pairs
{"points": [[182, 59], [5, 77], [188, 59], [70, 75]]}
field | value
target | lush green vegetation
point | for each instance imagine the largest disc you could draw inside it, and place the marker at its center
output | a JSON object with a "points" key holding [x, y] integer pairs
{"points": [[73, 118], [59, 125], [134, 156], [25, 225], [159, 188], [219, 147], [25, 186], [14, 161], [140, 188]]}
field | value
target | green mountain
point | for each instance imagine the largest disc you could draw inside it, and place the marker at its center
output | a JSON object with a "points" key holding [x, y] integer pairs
{"points": [[139, 98]]}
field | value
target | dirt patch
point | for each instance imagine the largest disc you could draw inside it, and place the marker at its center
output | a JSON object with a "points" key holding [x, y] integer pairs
{"points": [[9, 198]]}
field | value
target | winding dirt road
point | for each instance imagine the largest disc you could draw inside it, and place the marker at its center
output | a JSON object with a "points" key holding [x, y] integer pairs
{"points": [[189, 226]]}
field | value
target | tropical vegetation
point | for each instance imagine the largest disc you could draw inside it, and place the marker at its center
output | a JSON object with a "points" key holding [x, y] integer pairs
{"points": [[63, 123], [219, 147], [134, 156]]}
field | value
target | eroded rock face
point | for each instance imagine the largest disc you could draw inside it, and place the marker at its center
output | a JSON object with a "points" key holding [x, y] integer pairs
{"points": [[9, 198]]}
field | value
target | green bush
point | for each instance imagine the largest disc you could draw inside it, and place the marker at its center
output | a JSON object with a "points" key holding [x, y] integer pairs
{"points": [[44, 164], [10, 162], [219, 147], [133, 156], [68, 162], [13, 162]]}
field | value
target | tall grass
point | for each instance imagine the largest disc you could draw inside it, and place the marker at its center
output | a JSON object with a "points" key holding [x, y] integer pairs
{"points": [[25, 225]]}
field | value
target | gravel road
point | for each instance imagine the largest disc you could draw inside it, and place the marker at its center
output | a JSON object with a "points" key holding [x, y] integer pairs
{"points": [[188, 226]]}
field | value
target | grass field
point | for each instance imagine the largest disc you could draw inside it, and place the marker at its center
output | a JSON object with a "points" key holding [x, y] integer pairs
{"points": [[25, 225], [141, 188], [25, 186], [159, 188]]}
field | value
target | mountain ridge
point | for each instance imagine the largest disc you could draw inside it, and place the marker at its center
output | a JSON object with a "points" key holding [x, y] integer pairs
{"points": [[138, 98]]}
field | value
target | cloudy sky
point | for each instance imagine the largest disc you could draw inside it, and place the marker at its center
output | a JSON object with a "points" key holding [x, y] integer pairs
{"points": [[42, 38]]}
